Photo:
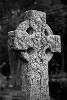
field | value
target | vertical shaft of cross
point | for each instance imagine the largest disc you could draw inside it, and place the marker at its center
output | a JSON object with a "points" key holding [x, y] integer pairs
{"points": [[39, 81], [40, 87]]}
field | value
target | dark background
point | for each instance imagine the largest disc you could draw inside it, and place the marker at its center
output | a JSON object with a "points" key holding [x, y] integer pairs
{"points": [[11, 14]]}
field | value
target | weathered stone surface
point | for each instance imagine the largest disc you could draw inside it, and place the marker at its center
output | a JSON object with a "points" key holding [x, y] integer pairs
{"points": [[43, 43]]}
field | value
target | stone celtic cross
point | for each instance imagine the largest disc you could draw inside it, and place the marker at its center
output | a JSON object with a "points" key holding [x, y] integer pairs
{"points": [[37, 43]]}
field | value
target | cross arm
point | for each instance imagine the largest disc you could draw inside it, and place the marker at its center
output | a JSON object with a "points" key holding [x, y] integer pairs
{"points": [[54, 43]]}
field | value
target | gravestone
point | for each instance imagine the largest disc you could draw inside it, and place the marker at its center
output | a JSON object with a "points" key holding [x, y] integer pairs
{"points": [[35, 39]]}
